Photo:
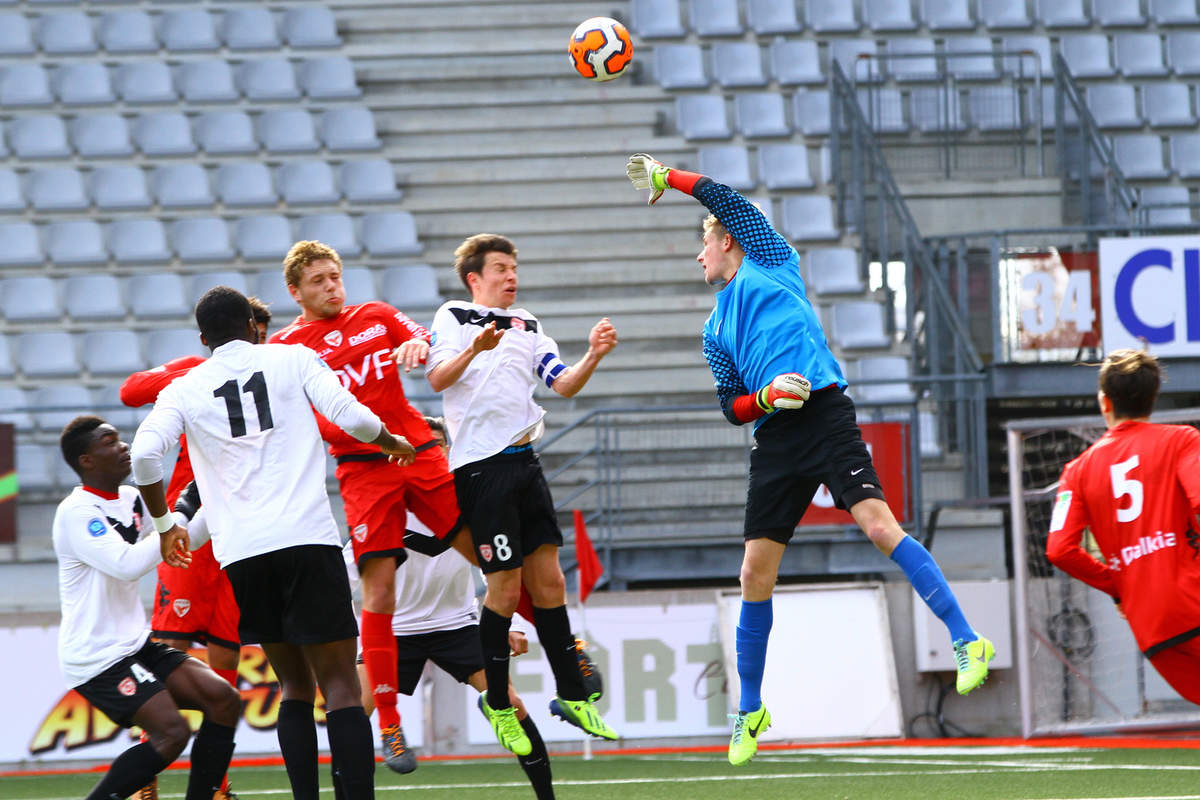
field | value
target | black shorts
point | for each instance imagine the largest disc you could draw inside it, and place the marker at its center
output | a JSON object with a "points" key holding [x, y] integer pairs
{"points": [[125, 687], [298, 595], [506, 502], [795, 452], [457, 652]]}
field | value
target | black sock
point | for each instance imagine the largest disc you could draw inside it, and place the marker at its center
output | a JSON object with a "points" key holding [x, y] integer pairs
{"points": [[493, 635], [131, 770], [211, 750], [298, 745], [352, 746], [338, 792], [537, 763], [554, 632]]}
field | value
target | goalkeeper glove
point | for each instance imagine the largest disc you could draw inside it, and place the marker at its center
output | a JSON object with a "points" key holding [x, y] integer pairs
{"points": [[188, 502], [646, 173], [788, 390]]}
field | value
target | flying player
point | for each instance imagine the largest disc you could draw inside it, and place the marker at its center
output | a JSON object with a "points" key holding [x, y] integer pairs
{"points": [[1137, 489], [764, 333]]}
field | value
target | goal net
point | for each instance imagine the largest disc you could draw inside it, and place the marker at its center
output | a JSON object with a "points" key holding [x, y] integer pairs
{"points": [[1078, 667]]}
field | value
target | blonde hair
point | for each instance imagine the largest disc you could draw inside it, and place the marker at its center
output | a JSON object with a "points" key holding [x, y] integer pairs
{"points": [[468, 256], [712, 225], [1131, 379], [304, 253]]}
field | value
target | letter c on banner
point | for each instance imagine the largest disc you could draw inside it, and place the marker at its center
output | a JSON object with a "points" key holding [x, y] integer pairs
{"points": [[1123, 296]]}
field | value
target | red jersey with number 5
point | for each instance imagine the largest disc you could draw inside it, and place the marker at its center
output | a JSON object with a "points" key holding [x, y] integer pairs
{"points": [[1138, 490]]}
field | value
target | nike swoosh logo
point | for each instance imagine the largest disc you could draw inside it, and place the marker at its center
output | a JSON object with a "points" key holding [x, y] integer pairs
{"points": [[854, 472], [755, 729], [982, 659]]}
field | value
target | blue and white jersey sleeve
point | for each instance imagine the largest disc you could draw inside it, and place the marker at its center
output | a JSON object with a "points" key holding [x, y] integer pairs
{"points": [[547, 365]]}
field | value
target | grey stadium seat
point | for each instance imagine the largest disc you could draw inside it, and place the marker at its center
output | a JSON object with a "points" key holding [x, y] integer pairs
{"points": [[1185, 155], [15, 406], [57, 189], [201, 239], [189, 30], [1023, 64], [16, 35], [393, 233], [48, 354], [138, 241], [267, 237], [1174, 12], [38, 137], [348, 129], [795, 61], [164, 345], [158, 295], [1168, 105], [247, 184], [251, 28], [858, 324], [288, 130], [370, 181], [1139, 55], [657, 19], [1183, 52], [76, 242], [25, 85], [268, 79], [811, 110], [411, 286], [716, 18], [68, 33], [207, 81], [1087, 55], [307, 183], [979, 66], [146, 82], [329, 79], [937, 110], [889, 15], [7, 368], [335, 230], [851, 54], [883, 109], [181, 186], [199, 284], [738, 65], [33, 468], [360, 285], [809, 217], [226, 133], [834, 270], [761, 114], [702, 116], [1004, 14], [880, 368], [918, 62], [83, 83], [1164, 195], [107, 402], [112, 353], [1063, 14], [268, 285], [22, 245], [29, 299], [1140, 156], [1113, 105], [680, 66], [310, 26], [727, 163], [1118, 13], [166, 133], [994, 108], [101, 136], [784, 166], [119, 188], [768, 17], [832, 16], [93, 297], [128, 32], [11, 196]]}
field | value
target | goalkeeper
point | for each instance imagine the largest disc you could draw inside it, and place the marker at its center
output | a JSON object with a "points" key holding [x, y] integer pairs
{"points": [[773, 367]]}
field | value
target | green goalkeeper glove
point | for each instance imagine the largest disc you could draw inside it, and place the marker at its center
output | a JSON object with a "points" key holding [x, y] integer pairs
{"points": [[646, 173], [788, 390]]}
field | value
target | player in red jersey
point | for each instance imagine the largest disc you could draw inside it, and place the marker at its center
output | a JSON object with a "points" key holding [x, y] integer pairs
{"points": [[365, 344], [1137, 489]]}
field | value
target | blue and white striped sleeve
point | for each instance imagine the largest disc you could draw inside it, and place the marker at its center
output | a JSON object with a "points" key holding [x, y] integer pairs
{"points": [[546, 363], [745, 223], [728, 380]]}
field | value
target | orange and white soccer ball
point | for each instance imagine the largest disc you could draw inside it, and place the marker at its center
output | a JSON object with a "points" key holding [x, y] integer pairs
{"points": [[600, 48]]}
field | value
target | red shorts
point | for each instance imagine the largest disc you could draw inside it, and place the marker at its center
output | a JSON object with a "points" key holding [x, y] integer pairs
{"points": [[196, 603], [378, 494], [1180, 666]]}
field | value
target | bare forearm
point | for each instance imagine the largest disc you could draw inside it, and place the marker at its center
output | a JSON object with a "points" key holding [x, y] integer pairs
{"points": [[572, 380], [447, 373]]}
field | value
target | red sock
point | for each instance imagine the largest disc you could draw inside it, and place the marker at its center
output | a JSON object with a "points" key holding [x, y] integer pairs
{"points": [[379, 656], [525, 604]]}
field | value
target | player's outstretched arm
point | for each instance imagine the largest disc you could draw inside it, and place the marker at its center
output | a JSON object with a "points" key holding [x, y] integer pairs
{"points": [[444, 374], [601, 340], [1064, 549]]}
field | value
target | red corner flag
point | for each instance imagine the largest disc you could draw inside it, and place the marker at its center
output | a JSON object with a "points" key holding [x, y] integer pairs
{"points": [[590, 568]]}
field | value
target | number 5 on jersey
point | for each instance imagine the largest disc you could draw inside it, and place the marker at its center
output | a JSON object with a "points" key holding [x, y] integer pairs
{"points": [[256, 387]]}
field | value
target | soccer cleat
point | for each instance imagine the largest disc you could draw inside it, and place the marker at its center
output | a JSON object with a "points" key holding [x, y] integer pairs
{"points": [[149, 791], [225, 794], [396, 753], [507, 727], [583, 715], [972, 660], [593, 682], [747, 725]]}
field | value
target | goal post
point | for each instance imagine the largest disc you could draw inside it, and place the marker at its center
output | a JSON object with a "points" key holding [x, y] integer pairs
{"points": [[1078, 667]]}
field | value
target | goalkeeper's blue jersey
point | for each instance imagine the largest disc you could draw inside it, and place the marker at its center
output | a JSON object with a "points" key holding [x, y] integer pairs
{"points": [[762, 324]]}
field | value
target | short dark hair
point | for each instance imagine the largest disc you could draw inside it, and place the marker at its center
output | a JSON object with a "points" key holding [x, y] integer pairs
{"points": [[437, 425], [1131, 379], [468, 256], [223, 314], [76, 439], [261, 311]]}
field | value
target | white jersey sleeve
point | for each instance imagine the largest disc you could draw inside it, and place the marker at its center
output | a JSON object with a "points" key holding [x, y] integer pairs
{"points": [[446, 338], [93, 541], [155, 436], [547, 365], [334, 401]]}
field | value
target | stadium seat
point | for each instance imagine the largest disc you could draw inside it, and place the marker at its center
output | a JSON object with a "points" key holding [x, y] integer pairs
{"points": [[738, 65], [1004, 14], [16, 35], [770, 17], [889, 15], [7, 368], [25, 85], [93, 297], [883, 109], [811, 111], [1174, 12], [882, 368], [268, 79], [288, 130], [11, 196], [1167, 105], [47, 354], [335, 230], [1087, 55], [226, 133], [1118, 13], [348, 129], [1063, 14], [702, 116], [38, 137], [249, 28], [1113, 105], [657, 19], [146, 82], [1140, 156], [858, 324], [164, 345], [191, 30], [165, 133], [119, 188], [716, 18], [76, 242], [917, 61], [199, 284], [680, 66], [370, 181], [310, 26], [1024, 65], [268, 285], [246, 184], [33, 468], [1183, 52], [856, 58], [937, 110], [360, 285], [795, 61], [1165, 195], [832, 16], [834, 270], [761, 114], [29, 299], [411, 286], [138, 241], [207, 81], [329, 79], [727, 163], [393, 233], [947, 15], [1185, 155], [1139, 55], [307, 183], [809, 217], [181, 186], [83, 83], [978, 67], [128, 32], [784, 166], [22, 246], [106, 400], [57, 189], [994, 108], [67, 33], [263, 238], [101, 136], [112, 353], [15, 408], [201, 239], [158, 295]]}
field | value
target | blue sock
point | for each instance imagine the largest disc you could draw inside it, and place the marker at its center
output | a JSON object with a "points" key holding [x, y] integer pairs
{"points": [[925, 576], [753, 629]]}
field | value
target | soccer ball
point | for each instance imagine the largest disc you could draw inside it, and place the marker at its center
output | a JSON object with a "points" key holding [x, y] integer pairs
{"points": [[600, 48]]}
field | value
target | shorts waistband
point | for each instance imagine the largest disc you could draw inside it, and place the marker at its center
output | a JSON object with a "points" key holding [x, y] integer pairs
{"points": [[516, 448]]}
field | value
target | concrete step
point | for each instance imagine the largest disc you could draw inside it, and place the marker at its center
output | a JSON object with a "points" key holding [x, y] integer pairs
{"points": [[564, 169], [470, 145], [547, 245], [571, 95], [367, 16], [457, 67], [530, 197], [587, 119], [667, 219]]}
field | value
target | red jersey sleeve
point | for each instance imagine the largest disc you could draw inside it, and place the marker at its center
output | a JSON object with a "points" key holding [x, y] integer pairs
{"points": [[401, 326], [1064, 547], [142, 388]]}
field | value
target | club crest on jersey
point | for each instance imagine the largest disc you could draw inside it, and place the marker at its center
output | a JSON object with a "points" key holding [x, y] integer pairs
{"points": [[485, 550], [182, 606], [360, 533], [96, 528], [334, 338], [127, 687], [517, 324]]}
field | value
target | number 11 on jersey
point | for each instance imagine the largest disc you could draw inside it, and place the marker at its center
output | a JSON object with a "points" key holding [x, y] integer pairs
{"points": [[256, 387]]}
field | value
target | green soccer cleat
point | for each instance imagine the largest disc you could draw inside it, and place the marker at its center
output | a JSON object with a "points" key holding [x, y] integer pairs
{"points": [[747, 725], [972, 659], [583, 715], [507, 727]]}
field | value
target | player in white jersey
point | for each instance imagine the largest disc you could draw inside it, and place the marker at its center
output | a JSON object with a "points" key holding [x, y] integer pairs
{"points": [[260, 467], [487, 357], [100, 538]]}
